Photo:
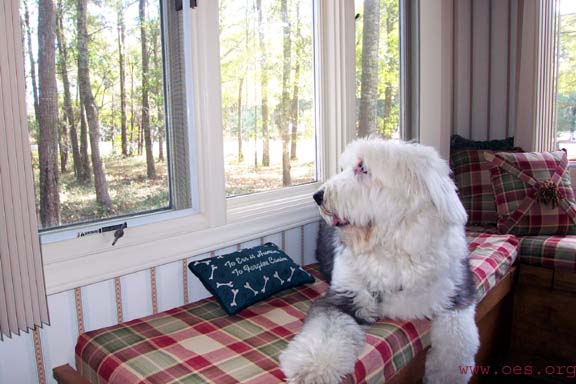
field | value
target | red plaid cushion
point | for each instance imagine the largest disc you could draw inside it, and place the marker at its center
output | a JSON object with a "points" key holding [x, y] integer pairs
{"points": [[491, 256], [533, 193], [558, 252], [200, 343], [472, 177]]}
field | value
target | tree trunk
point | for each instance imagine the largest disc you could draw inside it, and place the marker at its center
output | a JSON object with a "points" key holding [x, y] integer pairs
{"points": [[68, 110], [160, 135], [239, 124], [63, 145], [285, 110], [388, 86], [150, 168], [387, 108], [48, 116], [132, 117], [140, 139], [122, 65], [264, 89], [31, 58], [369, 79], [100, 183], [84, 159], [295, 99], [294, 115], [159, 95], [63, 139]]}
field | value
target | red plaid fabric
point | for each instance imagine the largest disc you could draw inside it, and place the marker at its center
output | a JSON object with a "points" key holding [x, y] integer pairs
{"points": [[558, 252], [517, 178], [491, 256], [200, 343], [472, 177]]}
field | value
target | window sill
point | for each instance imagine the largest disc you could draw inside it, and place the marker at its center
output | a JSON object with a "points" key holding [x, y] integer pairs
{"points": [[79, 262], [259, 204]]}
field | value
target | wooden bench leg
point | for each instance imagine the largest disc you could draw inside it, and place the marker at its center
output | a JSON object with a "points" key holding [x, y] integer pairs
{"points": [[65, 374]]}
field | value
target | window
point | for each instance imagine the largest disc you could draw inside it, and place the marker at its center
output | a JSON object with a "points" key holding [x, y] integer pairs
{"points": [[95, 85], [378, 68], [566, 86], [268, 107], [197, 114]]}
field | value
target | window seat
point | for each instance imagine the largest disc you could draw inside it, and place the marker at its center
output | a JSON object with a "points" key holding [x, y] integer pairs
{"points": [[200, 343]]}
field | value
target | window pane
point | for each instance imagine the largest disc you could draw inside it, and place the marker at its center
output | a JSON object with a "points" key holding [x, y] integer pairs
{"points": [[378, 67], [566, 98], [267, 66], [95, 108]]}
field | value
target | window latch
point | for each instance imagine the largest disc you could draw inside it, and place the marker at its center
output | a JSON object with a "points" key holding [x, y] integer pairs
{"points": [[119, 233]]}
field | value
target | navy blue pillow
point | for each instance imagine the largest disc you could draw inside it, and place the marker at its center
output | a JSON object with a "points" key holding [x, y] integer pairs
{"points": [[245, 277], [459, 142]]}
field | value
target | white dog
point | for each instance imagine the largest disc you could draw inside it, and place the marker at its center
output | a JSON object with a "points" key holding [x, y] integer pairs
{"points": [[396, 229]]}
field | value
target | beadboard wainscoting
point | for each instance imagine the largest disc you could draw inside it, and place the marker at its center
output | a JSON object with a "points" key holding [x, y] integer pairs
{"points": [[30, 357]]}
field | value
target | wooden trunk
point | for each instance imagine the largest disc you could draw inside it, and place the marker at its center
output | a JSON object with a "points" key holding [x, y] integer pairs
{"points": [[544, 323]]}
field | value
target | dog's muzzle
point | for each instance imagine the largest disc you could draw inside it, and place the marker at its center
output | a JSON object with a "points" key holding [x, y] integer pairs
{"points": [[335, 220]]}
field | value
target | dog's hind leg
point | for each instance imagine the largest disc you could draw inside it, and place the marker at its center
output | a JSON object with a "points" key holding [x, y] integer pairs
{"points": [[326, 349], [454, 338]]}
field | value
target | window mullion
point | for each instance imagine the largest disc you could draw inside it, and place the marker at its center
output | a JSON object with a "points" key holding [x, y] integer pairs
{"points": [[205, 113], [336, 80]]}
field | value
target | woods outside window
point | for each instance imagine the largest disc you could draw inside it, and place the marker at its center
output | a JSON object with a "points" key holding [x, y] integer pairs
{"points": [[131, 120], [96, 81]]}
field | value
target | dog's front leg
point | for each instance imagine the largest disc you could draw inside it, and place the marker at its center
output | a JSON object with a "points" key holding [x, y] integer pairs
{"points": [[326, 349], [360, 304], [454, 339]]}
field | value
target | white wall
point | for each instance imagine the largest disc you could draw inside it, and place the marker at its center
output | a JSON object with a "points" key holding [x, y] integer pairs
{"points": [[17, 358], [436, 74]]}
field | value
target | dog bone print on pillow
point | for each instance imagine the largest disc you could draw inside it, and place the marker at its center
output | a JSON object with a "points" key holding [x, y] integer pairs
{"points": [[242, 278]]}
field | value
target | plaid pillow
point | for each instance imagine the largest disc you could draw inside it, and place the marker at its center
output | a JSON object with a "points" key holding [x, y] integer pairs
{"points": [[533, 193], [472, 177]]}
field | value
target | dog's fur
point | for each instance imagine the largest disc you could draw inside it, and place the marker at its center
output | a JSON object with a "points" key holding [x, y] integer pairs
{"points": [[393, 246]]}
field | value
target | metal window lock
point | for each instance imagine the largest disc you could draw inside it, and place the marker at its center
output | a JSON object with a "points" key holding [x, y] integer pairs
{"points": [[118, 231], [117, 235]]}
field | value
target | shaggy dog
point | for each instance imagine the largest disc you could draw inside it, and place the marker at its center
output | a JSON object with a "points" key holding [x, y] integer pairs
{"points": [[393, 246]]}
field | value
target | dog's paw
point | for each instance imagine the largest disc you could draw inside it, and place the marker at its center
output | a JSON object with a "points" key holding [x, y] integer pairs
{"points": [[304, 364], [366, 316], [325, 350]]}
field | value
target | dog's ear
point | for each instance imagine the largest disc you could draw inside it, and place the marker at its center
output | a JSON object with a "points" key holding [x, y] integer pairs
{"points": [[442, 192]]}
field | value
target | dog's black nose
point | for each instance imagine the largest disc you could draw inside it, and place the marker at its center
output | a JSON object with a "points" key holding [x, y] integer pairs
{"points": [[319, 197]]}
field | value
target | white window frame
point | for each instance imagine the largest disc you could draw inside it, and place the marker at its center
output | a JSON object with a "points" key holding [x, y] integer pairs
{"points": [[222, 222]]}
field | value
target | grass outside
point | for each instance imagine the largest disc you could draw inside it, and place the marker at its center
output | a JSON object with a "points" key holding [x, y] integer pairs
{"points": [[244, 177], [132, 192], [129, 188]]}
